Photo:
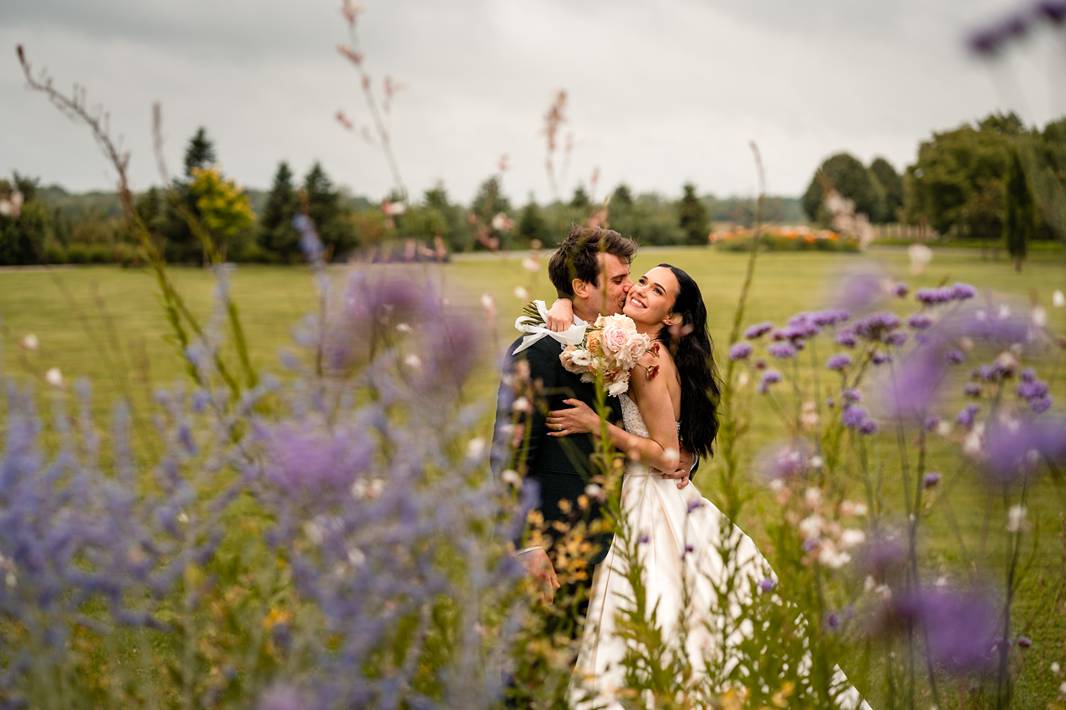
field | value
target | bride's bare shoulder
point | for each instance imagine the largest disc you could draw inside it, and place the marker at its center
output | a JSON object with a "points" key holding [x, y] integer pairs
{"points": [[654, 362]]}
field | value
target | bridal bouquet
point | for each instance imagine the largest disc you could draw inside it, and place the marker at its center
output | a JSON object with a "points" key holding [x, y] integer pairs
{"points": [[611, 345]]}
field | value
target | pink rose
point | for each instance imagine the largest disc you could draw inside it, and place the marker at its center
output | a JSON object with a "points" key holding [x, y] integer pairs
{"points": [[614, 340], [637, 347]]}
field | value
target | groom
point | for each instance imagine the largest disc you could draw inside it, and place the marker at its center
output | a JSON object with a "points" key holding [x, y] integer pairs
{"points": [[591, 268]]}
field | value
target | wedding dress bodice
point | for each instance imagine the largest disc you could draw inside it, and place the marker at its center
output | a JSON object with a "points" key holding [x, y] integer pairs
{"points": [[631, 416]]}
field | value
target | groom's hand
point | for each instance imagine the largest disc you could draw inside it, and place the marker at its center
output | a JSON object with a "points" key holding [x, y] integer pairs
{"points": [[539, 566], [683, 471]]}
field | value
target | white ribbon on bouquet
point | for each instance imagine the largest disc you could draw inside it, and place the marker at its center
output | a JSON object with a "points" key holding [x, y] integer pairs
{"points": [[571, 336]]}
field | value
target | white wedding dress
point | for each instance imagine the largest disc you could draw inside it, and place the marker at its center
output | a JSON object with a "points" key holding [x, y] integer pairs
{"points": [[679, 533]]}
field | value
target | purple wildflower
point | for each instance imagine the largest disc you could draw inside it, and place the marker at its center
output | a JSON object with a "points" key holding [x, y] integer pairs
{"points": [[920, 321], [955, 357], [740, 351], [860, 290], [1034, 392], [900, 290], [967, 415], [985, 43], [782, 351], [825, 319], [857, 418], [767, 584], [283, 697], [851, 396], [882, 557], [846, 338], [839, 362], [876, 326], [947, 294], [1013, 450], [770, 377], [1000, 327], [880, 357], [758, 330], [895, 339], [785, 461], [931, 479], [301, 457], [916, 383], [694, 505], [1054, 11], [1040, 404], [1024, 642], [931, 423], [960, 625], [933, 296]]}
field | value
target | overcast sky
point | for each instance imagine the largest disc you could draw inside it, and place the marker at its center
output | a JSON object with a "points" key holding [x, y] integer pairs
{"points": [[660, 92]]}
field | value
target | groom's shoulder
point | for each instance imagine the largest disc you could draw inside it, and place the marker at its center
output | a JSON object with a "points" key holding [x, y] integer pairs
{"points": [[544, 352]]}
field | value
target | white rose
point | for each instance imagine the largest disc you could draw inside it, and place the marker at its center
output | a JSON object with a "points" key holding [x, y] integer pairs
{"points": [[620, 387], [581, 358]]}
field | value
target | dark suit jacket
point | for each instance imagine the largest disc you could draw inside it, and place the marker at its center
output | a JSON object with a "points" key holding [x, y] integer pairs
{"points": [[560, 466]]}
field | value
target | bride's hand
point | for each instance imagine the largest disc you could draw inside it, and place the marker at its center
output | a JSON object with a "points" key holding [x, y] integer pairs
{"points": [[579, 419], [560, 315]]}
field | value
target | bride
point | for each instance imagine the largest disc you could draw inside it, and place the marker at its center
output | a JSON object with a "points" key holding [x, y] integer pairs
{"points": [[676, 533]]}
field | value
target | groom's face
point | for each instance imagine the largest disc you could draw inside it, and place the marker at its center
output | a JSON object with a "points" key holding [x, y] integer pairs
{"points": [[614, 272]]}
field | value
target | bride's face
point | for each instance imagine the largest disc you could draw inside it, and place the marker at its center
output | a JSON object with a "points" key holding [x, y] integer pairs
{"points": [[651, 300]]}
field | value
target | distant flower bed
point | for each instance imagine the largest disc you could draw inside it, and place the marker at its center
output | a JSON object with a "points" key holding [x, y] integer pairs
{"points": [[785, 239]]}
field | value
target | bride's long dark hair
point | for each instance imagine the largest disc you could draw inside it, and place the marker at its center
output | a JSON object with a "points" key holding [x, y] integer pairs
{"points": [[693, 353]]}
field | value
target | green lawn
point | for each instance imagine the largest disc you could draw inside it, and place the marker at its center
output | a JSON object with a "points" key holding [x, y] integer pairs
{"points": [[107, 324]]}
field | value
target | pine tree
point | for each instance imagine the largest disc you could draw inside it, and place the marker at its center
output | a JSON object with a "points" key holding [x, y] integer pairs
{"points": [[457, 234], [277, 235], [1019, 224], [580, 200], [692, 216], [200, 152], [891, 185], [531, 224], [621, 197], [325, 210]]}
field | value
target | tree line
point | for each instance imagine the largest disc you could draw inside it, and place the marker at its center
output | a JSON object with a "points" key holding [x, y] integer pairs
{"points": [[989, 180], [202, 205], [993, 179]]}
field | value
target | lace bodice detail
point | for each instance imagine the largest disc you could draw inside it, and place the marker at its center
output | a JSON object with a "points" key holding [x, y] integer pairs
{"points": [[631, 416]]}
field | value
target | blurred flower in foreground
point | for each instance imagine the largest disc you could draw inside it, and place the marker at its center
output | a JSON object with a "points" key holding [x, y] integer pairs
{"points": [[54, 377], [959, 624], [861, 290], [1014, 449], [785, 462], [304, 458], [29, 342], [920, 256]]}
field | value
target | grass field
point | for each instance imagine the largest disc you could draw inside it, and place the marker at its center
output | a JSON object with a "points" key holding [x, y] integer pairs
{"points": [[107, 325]]}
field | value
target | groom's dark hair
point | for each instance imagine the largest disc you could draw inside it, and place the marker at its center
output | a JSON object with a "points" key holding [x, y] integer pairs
{"points": [[576, 257]]}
